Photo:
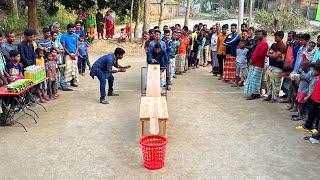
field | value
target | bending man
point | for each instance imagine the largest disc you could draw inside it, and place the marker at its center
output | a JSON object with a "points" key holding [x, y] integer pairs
{"points": [[102, 69]]}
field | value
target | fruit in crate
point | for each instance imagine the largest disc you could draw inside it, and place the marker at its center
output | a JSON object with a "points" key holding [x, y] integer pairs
{"points": [[19, 85]]}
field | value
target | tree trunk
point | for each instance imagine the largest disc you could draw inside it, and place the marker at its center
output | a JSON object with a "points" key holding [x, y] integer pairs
{"points": [[246, 7], [240, 14], [146, 15], [137, 19], [14, 8], [161, 13], [234, 6], [33, 21], [251, 9], [131, 17], [202, 4], [186, 18]]}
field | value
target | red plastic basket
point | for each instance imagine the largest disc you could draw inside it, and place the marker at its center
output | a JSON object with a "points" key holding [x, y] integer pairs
{"points": [[154, 151]]}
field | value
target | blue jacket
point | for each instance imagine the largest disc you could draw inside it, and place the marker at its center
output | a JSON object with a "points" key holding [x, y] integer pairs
{"points": [[232, 42], [160, 57], [103, 65]]}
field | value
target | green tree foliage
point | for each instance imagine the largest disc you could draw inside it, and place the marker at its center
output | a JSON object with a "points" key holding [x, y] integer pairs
{"points": [[121, 8], [266, 19]]}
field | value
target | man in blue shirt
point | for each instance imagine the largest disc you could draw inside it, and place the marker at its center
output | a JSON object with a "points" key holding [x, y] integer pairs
{"points": [[156, 40], [70, 44], [26, 49], [57, 44], [79, 31], [8, 45], [102, 69]]}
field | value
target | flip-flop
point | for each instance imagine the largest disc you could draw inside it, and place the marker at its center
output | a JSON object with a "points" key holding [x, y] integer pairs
{"points": [[301, 128], [314, 132]]}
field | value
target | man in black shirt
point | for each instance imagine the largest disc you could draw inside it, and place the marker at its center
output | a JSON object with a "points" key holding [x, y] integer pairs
{"points": [[276, 56], [100, 24]]}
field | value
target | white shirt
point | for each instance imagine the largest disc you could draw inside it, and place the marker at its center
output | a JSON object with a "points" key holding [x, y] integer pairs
{"points": [[266, 62], [214, 42]]}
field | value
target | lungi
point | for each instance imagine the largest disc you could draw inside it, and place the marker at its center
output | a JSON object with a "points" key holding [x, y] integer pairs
{"points": [[274, 79], [172, 68], [214, 62], [254, 80], [71, 70], [229, 69], [180, 62]]}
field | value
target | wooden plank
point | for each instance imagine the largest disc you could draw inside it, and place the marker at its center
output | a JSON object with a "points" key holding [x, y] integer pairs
{"points": [[153, 81], [147, 102], [154, 120]]}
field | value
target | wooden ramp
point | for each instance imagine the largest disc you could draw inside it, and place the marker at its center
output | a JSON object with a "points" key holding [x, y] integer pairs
{"points": [[154, 109], [153, 81]]}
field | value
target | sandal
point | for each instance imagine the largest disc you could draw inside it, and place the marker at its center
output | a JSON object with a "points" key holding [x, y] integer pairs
{"points": [[43, 101], [302, 128]]}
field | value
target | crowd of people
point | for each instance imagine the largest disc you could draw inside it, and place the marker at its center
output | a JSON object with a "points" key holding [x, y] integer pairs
{"points": [[277, 72], [64, 56]]}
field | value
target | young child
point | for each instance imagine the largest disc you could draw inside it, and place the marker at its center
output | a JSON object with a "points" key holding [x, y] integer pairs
{"points": [[51, 70], [83, 56], [55, 57], [311, 50], [314, 100], [42, 88], [241, 64], [14, 66], [201, 41], [128, 30], [123, 36], [305, 78]]}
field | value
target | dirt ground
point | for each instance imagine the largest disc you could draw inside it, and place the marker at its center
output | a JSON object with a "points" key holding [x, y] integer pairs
{"points": [[213, 133]]}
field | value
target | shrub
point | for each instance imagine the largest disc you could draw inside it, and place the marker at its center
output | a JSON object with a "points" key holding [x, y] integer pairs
{"points": [[289, 19], [222, 14], [63, 16], [11, 22], [18, 25], [218, 15]]}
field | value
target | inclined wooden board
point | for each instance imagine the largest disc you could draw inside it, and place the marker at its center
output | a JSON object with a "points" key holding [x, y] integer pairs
{"points": [[153, 81], [148, 102]]}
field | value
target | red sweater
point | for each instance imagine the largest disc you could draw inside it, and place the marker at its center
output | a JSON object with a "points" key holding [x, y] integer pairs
{"points": [[259, 54], [315, 96]]}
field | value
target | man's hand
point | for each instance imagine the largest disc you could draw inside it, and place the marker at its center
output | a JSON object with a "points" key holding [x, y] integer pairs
{"points": [[73, 56], [306, 98]]}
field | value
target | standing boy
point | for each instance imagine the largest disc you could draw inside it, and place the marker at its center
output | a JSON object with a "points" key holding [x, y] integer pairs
{"points": [[70, 45]]}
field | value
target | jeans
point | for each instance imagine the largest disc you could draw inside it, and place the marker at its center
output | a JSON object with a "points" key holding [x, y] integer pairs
{"points": [[313, 115], [82, 63], [62, 83], [221, 59], [103, 81]]}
